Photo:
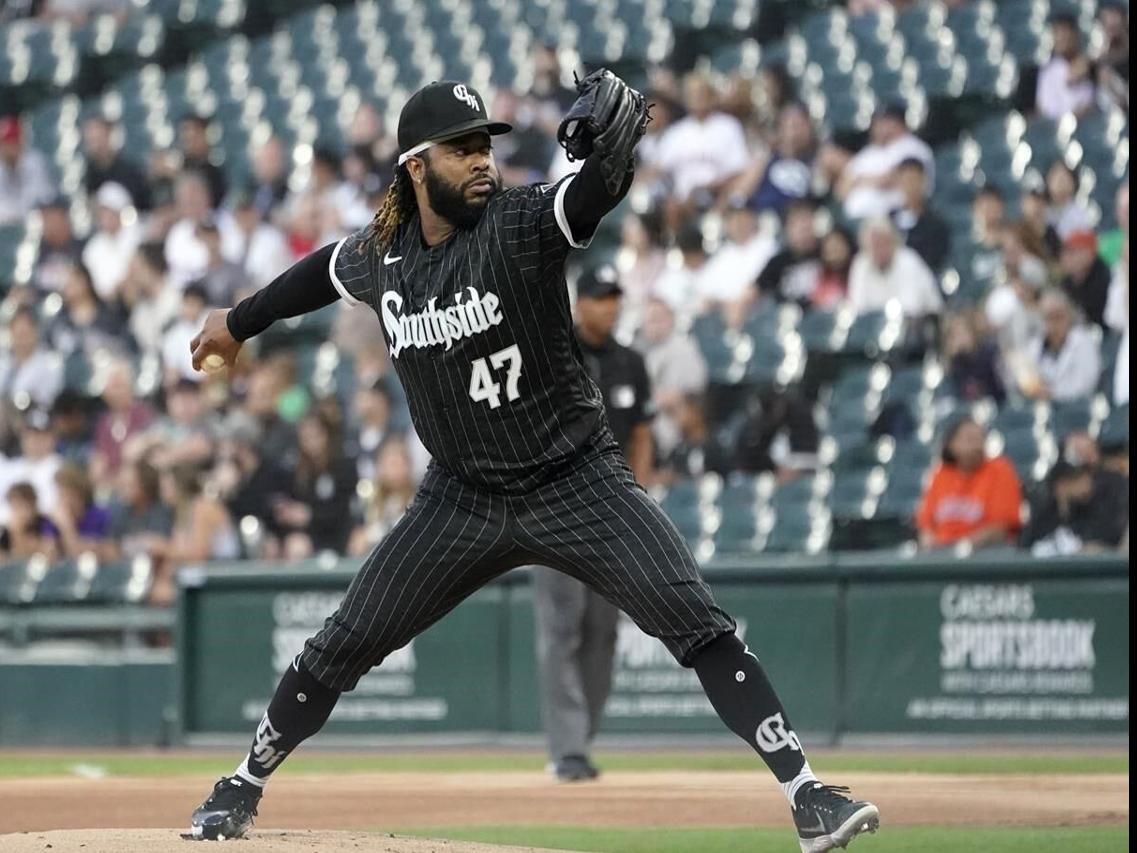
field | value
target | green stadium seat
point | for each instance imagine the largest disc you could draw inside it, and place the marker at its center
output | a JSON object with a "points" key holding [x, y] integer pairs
{"points": [[67, 582], [121, 582]]}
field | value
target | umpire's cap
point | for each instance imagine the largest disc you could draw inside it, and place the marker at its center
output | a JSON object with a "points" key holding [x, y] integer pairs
{"points": [[599, 283], [441, 111]]}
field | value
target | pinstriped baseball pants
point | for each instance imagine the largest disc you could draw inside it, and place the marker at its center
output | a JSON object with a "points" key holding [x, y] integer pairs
{"points": [[593, 522]]}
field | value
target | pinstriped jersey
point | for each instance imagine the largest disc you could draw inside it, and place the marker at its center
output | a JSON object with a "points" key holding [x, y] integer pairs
{"points": [[480, 333]]}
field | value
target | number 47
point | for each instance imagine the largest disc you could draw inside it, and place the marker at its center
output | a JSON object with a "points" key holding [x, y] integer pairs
{"points": [[482, 386]]}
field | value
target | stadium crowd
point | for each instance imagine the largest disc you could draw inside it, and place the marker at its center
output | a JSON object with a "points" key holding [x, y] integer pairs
{"points": [[739, 203]]}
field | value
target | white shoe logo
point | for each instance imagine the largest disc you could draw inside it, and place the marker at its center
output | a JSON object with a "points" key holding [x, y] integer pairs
{"points": [[388, 260], [773, 735]]}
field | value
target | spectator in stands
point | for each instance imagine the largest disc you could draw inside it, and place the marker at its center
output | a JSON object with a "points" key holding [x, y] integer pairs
{"points": [[727, 284], [86, 324], [1012, 309], [105, 163], [258, 246], [548, 95], [705, 150], [775, 91], [868, 184], [699, 449], [1117, 319], [146, 294], [1066, 213], [1038, 231], [885, 270], [372, 151], [176, 361], [1109, 242], [371, 427], [140, 523], [971, 500], [222, 279], [1065, 82], [836, 260], [675, 367], [59, 248], [304, 229], [971, 359], [680, 286], [1085, 276], [38, 461], [1082, 507], [784, 175], [1066, 358], [778, 434], [251, 484], [791, 275], [74, 429], [116, 238], [318, 515], [641, 261], [186, 435], [124, 418], [196, 150], [524, 156], [28, 372], [186, 255], [1112, 60], [83, 524], [921, 227], [276, 437], [28, 531], [988, 226], [270, 162], [391, 493], [24, 180], [201, 530], [343, 203]]}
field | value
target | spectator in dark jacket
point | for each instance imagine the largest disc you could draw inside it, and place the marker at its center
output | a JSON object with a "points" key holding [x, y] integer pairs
{"points": [[792, 274], [922, 229], [1077, 510], [1085, 277], [972, 359]]}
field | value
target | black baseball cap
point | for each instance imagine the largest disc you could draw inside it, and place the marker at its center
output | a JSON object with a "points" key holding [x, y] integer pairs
{"points": [[599, 283], [443, 110], [894, 109]]}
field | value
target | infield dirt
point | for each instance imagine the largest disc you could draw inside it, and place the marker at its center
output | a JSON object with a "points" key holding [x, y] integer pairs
{"points": [[326, 812]]}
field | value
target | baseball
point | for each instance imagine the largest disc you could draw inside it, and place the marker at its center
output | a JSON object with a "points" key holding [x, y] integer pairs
{"points": [[213, 363]]}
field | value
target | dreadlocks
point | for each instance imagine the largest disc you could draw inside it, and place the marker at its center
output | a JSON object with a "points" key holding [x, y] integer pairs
{"points": [[398, 206]]}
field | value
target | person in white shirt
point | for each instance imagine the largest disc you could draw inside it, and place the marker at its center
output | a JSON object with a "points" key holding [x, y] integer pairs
{"points": [[675, 368], [28, 373], [680, 282], [1065, 212], [186, 255], [117, 236], [1067, 356], [38, 463], [151, 300], [868, 185], [728, 281], [24, 180], [705, 150], [1012, 306], [259, 247], [1065, 83], [885, 270], [176, 361]]}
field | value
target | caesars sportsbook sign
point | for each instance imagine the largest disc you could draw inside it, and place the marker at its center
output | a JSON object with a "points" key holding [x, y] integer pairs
{"points": [[1049, 655]]}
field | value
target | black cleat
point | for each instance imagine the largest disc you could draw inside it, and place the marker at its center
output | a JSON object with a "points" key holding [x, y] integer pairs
{"points": [[228, 812], [575, 768], [826, 818]]}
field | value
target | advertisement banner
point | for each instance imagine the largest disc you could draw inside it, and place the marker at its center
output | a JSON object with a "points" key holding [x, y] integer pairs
{"points": [[962, 656]]}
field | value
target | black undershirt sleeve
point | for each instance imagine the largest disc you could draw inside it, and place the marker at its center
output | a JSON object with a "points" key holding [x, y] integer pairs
{"points": [[304, 287], [587, 199]]}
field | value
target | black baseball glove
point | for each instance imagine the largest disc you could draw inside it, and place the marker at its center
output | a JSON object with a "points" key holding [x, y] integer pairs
{"points": [[608, 119]]}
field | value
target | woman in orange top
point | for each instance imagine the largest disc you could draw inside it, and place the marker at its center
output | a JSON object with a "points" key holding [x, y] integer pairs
{"points": [[970, 498]]}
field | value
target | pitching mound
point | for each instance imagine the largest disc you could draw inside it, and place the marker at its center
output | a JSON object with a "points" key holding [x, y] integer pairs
{"points": [[259, 841]]}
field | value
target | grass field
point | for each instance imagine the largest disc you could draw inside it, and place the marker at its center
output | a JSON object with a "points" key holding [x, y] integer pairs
{"points": [[897, 840], [25, 764]]}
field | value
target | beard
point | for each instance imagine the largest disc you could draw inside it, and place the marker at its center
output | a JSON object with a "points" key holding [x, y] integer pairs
{"points": [[449, 201]]}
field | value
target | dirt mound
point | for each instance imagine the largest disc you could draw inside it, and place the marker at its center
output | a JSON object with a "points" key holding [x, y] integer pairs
{"points": [[259, 841]]}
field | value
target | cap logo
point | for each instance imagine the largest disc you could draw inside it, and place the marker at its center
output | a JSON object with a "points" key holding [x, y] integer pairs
{"points": [[463, 94]]}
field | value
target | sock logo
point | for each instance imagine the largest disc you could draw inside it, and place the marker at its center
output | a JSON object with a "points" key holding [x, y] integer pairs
{"points": [[773, 735], [263, 752]]}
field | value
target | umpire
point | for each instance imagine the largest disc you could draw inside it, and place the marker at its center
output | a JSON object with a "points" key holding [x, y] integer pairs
{"points": [[576, 627]]}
